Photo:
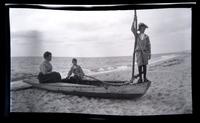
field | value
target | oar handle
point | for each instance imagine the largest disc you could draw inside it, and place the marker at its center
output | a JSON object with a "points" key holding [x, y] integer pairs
{"points": [[93, 78], [105, 84]]}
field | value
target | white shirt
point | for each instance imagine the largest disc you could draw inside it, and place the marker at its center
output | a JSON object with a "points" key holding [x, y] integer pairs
{"points": [[46, 67], [142, 36]]}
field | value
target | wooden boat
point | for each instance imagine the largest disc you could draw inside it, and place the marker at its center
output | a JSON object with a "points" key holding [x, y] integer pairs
{"points": [[122, 91]]}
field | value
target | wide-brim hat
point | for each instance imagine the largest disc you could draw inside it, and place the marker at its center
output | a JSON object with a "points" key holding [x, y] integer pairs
{"points": [[142, 24]]}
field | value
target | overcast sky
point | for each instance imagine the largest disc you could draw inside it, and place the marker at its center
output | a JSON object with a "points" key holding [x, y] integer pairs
{"points": [[96, 33]]}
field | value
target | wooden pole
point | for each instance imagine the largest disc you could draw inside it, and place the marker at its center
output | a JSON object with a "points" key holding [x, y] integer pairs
{"points": [[133, 64]]}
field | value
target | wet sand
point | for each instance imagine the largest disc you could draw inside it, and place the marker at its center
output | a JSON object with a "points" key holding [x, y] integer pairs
{"points": [[170, 93]]}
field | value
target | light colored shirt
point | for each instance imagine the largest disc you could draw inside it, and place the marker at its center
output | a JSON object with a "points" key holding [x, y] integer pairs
{"points": [[143, 43], [142, 36], [46, 67]]}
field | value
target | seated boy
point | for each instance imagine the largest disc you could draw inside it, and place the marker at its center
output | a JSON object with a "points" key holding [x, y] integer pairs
{"points": [[77, 71]]}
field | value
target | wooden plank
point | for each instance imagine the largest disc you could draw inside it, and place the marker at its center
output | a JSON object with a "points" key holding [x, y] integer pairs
{"points": [[18, 85]]}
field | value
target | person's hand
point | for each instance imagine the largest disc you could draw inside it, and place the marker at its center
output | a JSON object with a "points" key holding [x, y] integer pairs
{"points": [[149, 57], [48, 72]]}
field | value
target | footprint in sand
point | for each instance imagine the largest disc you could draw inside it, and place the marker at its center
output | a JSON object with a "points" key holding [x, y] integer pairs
{"points": [[166, 94], [181, 86], [149, 97], [159, 94]]}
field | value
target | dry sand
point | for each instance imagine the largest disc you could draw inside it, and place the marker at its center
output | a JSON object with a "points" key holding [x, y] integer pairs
{"points": [[170, 93]]}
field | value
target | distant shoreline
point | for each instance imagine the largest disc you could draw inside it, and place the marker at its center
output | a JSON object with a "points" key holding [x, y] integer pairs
{"points": [[122, 68], [184, 51], [16, 76]]}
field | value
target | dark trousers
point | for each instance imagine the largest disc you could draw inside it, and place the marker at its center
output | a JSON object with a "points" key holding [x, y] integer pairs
{"points": [[75, 79], [142, 69], [49, 78]]}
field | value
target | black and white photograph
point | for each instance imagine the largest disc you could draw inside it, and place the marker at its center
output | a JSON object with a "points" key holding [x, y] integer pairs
{"points": [[132, 62]]}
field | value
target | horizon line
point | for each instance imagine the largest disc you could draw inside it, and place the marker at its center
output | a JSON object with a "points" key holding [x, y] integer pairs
{"points": [[107, 56]]}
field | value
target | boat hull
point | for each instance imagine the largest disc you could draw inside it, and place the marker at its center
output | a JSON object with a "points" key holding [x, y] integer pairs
{"points": [[126, 91]]}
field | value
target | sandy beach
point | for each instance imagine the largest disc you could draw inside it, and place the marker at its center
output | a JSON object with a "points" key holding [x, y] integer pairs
{"points": [[170, 93]]}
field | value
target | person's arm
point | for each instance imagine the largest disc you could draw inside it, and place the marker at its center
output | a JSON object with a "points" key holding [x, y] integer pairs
{"points": [[149, 47], [70, 72], [133, 27], [42, 69], [82, 73]]}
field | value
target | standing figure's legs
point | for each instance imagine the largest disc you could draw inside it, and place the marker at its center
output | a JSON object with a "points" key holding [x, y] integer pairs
{"points": [[144, 72], [140, 73]]}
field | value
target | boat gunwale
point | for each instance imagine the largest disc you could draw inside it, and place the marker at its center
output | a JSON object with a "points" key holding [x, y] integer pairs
{"points": [[58, 84], [97, 94]]}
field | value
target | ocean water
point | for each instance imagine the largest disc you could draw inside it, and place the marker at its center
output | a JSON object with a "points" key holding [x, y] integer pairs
{"points": [[22, 67]]}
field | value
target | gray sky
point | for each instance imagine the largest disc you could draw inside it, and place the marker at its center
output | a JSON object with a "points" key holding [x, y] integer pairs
{"points": [[96, 33]]}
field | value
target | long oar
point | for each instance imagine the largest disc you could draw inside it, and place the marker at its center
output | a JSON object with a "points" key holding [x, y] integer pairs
{"points": [[95, 79], [106, 83], [134, 25]]}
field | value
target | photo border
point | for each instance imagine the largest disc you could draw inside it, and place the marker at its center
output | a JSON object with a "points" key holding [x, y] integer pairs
{"points": [[5, 87]]}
